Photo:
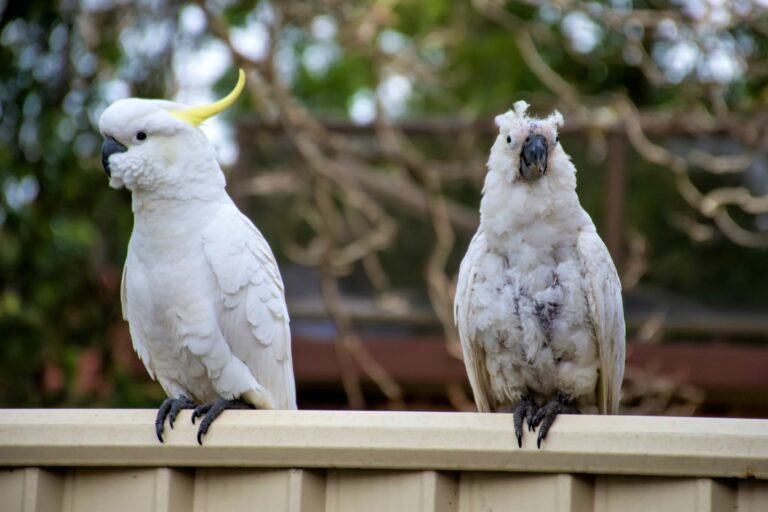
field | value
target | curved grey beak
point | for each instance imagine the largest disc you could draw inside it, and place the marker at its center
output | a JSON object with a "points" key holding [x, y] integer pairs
{"points": [[110, 147], [533, 158]]}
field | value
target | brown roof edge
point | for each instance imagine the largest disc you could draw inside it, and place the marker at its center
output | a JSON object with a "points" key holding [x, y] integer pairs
{"points": [[426, 361]]}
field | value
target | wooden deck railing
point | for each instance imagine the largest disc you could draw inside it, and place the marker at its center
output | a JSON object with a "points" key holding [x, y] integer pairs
{"points": [[105, 460]]}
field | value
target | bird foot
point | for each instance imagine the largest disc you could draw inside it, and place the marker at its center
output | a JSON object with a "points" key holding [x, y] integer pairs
{"points": [[170, 409], [546, 415], [524, 410], [211, 411]]}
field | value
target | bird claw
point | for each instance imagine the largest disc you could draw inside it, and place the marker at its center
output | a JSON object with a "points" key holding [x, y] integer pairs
{"points": [[546, 415], [170, 409], [201, 410], [524, 410], [211, 411]]}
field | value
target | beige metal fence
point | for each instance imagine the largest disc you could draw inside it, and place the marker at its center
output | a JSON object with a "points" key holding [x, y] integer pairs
{"points": [[104, 460]]}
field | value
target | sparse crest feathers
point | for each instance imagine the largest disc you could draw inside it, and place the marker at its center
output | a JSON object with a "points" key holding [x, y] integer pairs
{"points": [[518, 114]]}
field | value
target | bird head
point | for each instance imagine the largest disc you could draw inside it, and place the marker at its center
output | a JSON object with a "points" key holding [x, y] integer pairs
{"points": [[528, 143], [156, 144]]}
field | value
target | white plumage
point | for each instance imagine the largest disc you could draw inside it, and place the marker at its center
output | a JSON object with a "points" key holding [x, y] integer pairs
{"points": [[201, 290], [538, 303]]}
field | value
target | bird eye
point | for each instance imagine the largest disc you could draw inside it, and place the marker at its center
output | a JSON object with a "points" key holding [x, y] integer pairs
{"points": [[557, 140], [141, 136], [509, 139]]}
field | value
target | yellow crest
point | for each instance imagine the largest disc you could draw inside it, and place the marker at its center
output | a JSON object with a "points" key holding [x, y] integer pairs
{"points": [[196, 115]]}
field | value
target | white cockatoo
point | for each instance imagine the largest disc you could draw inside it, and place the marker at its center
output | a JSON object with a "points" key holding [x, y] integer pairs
{"points": [[538, 302], [201, 290]]}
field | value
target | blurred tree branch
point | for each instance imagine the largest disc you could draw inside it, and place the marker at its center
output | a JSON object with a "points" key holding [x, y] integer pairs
{"points": [[361, 191], [348, 191]]}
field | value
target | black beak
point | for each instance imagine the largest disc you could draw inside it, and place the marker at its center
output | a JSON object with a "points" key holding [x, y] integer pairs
{"points": [[533, 157], [110, 147]]}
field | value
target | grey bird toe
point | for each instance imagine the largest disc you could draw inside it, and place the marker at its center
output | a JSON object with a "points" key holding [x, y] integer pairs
{"points": [[211, 411], [546, 415], [526, 410], [170, 409]]}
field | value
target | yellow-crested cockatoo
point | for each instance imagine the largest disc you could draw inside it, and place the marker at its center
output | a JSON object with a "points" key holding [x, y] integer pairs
{"points": [[201, 290], [538, 302]]}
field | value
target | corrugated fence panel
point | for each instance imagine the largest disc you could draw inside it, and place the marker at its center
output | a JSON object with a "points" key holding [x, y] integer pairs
{"points": [[480, 492], [291, 490], [121, 490], [383, 491], [664, 494], [275, 461], [31, 490], [294, 490], [753, 496]]}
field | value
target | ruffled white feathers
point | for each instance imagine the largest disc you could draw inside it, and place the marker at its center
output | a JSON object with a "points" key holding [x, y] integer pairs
{"points": [[538, 302]]}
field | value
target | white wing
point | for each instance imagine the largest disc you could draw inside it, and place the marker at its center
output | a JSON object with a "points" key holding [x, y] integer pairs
{"points": [[606, 314], [474, 355], [253, 318], [136, 341]]}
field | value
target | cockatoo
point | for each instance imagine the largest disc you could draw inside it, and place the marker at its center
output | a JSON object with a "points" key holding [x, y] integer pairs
{"points": [[201, 290], [538, 301]]}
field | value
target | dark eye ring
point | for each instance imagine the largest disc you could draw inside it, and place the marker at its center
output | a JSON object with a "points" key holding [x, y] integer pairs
{"points": [[509, 139], [141, 136]]}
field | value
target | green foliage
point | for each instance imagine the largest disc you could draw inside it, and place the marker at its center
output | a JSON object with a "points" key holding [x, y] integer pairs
{"points": [[63, 232], [61, 248]]}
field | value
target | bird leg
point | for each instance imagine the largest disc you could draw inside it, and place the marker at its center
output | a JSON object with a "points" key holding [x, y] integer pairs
{"points": [[525, 409], [211, 411], [561, 404], [170, 409]]}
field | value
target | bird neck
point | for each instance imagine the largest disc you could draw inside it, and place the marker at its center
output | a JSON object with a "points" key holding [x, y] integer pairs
{"points": [[192, 191], [173, 217], [514, 212]]}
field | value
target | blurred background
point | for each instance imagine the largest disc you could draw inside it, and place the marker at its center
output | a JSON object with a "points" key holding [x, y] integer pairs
{"points": [[359, 150]]}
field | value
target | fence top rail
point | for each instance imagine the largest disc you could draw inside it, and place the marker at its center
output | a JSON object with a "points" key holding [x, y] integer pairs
{"points": [[628, 445]]}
